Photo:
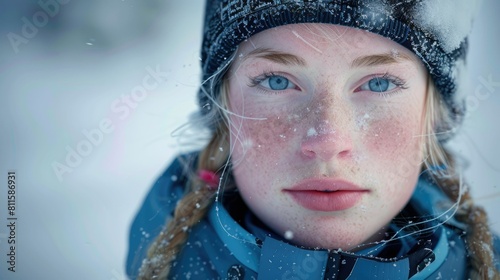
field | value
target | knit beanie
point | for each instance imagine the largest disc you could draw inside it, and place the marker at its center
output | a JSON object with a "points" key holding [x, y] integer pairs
{"points": [[434, 30]]}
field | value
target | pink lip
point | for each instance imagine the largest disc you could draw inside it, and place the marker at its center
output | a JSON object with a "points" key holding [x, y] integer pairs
{"points": [[326, 194]]}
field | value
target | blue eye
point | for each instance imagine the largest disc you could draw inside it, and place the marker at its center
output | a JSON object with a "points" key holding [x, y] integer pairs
{"points": [[379, 84], [276, 82]]}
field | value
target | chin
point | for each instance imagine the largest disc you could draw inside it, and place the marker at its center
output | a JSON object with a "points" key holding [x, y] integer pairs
{"points": [[329, 241], [347, 237]]}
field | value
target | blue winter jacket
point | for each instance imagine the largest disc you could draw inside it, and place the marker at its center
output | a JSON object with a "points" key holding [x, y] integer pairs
{"points": [[238, 246]]}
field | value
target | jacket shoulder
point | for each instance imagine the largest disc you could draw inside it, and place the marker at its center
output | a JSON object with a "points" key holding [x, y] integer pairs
{"points": [[157, 207], [212, 248], [496, 249]]}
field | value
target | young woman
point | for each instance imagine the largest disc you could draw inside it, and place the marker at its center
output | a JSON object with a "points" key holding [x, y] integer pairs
{"points": [[327, 156]]}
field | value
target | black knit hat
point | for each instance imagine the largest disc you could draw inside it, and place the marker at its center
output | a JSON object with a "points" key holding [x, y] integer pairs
{"points": [[435, 30]]}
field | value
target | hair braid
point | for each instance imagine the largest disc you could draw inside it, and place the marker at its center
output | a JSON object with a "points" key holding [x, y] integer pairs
{"points": [[479, 240], [188, 212], [478, 237]]}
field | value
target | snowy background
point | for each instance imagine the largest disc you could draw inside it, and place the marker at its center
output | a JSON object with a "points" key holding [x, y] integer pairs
{"points": [[76, 74]]}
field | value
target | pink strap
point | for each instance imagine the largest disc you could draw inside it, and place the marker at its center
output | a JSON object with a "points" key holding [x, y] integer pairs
{"points": [[209, 177]]}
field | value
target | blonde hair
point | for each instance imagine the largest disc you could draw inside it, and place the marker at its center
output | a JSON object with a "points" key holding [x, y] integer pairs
{"points": [[443, 168], [194, 205]]}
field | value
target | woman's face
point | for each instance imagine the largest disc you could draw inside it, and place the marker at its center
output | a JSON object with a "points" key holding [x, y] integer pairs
{"points": [[326, 128]]}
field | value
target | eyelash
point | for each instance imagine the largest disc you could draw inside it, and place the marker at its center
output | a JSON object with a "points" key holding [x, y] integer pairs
{"points": [[255, 81], [398, 82]]}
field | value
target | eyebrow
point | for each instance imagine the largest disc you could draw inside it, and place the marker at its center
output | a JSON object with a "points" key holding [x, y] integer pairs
{"points": [[380, 59], [277, 56], [362, 61]]}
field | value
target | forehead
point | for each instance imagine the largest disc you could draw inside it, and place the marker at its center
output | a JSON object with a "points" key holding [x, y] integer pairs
{"points": [[323, 40]]}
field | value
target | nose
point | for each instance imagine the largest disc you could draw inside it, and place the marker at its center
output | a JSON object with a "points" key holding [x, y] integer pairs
{"points": [[328, 135]]}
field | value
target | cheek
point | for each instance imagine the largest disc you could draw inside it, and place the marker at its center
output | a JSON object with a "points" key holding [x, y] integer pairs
{"points": [[394, 133], [394, 144], [264, 128], [268, 137], [392, 136], [259, 149], [262, 150]]}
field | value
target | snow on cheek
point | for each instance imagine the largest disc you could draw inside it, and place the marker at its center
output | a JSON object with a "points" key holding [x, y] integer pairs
{"points": [[312, 132], [362, 121]]}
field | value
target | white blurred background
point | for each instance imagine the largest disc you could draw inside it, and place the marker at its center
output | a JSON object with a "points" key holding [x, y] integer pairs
{"points": [[77, 70]]}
